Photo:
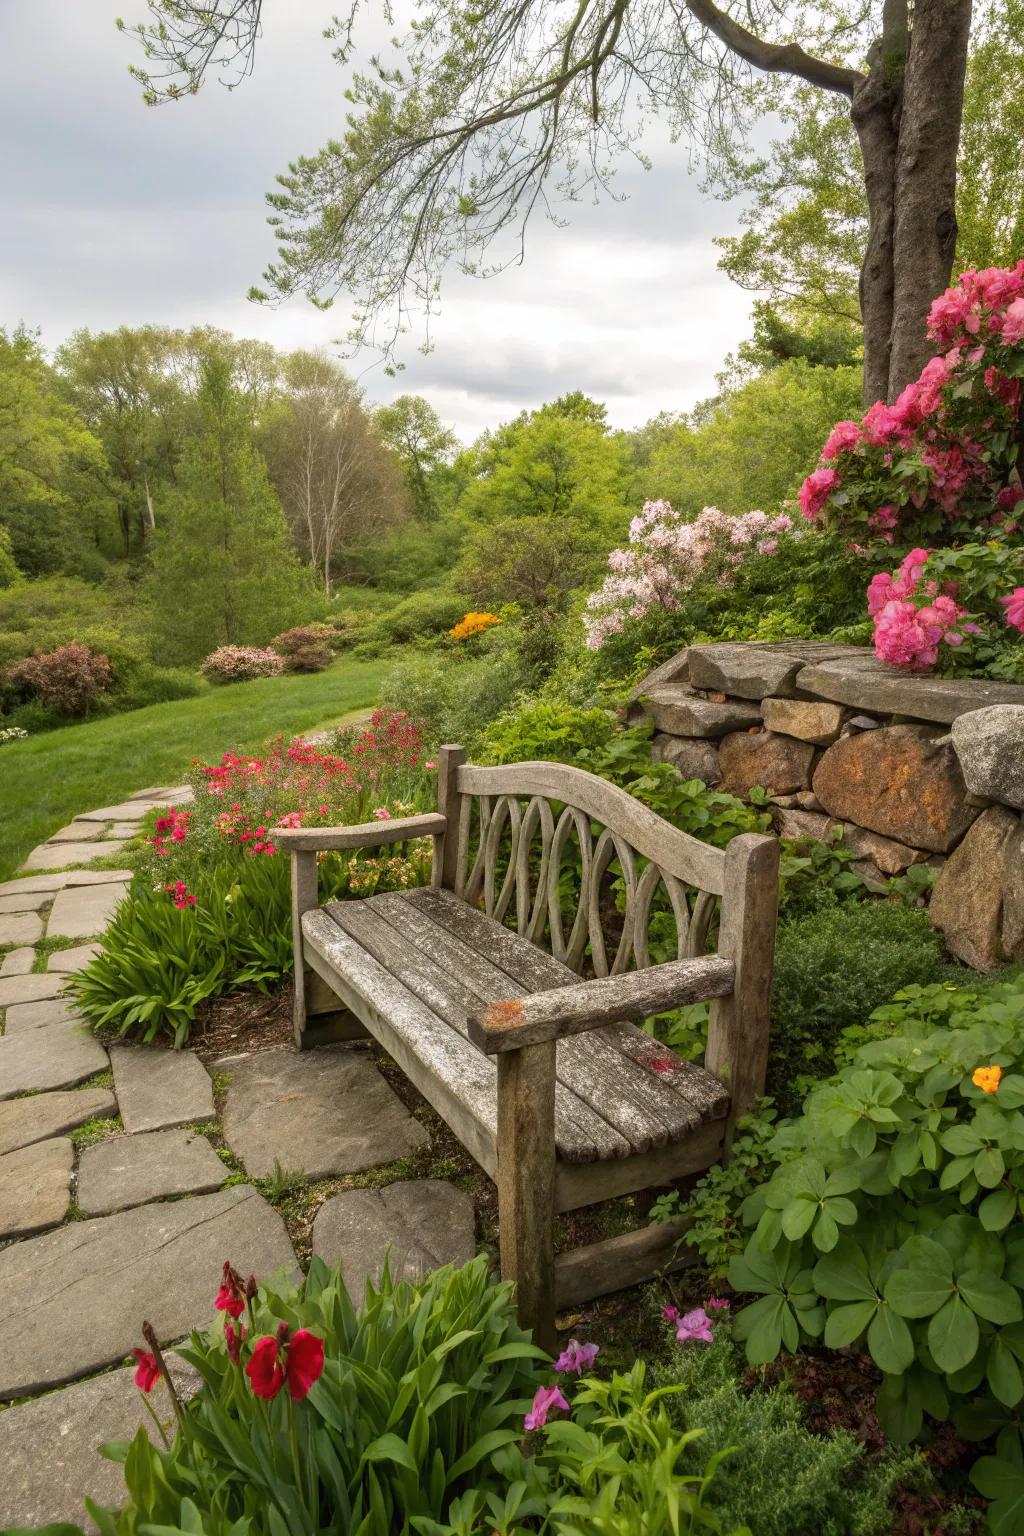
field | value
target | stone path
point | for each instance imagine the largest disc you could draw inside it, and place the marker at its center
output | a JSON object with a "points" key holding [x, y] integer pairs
{"points": [[121, 1195]]}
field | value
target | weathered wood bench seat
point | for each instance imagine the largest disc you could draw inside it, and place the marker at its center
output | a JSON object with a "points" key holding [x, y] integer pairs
{"points": [[544, 1077]]}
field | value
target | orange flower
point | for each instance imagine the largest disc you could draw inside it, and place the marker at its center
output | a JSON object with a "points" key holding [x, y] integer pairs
{"points": [[987, 1078], [473, 624]]}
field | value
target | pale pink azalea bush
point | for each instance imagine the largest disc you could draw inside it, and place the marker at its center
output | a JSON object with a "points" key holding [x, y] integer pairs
{"points": [[939, 467], [241, 663], [667, 554]]}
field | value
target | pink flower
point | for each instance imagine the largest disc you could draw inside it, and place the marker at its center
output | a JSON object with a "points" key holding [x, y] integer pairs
{"points": [[816, 490], [670, 1314], [844, 435], [382, 813], [885, 517], [694, 1326], [1013, 323], [545, 1399], [576, 1357], [718, 1303], [1014, 605]]}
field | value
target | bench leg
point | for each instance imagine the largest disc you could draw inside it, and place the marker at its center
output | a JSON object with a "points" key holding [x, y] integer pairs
{"points": [[526, 1183], [325, 1018]]}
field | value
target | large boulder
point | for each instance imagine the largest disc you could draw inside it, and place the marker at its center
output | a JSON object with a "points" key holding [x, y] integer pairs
{"points": [[680, 711], [689, 755], [967, 902], [990, 746], [780, 764], [898, 781], [806, 719], [1013, 894]]}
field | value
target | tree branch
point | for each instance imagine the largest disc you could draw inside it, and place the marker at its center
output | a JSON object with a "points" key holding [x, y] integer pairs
{"points": [[775, 58]]}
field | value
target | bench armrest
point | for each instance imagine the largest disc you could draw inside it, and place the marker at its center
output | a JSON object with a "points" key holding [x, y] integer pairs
{"points": [[508, 1026], [368, 834]]}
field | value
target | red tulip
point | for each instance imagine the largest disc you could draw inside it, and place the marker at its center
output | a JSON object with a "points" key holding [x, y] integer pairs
{"points": [[299, 1361], [231, 1296], [147, 1372]]}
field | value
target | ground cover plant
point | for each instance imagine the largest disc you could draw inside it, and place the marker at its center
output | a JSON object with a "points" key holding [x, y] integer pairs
{"points": [[50, 779]]}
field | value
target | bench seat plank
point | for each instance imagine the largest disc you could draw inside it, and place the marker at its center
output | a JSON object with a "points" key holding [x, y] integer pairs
{"points": [[705, 1097]]}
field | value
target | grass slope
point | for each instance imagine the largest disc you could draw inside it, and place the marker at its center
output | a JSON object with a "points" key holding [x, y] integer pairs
{"points": [[48, 779]]}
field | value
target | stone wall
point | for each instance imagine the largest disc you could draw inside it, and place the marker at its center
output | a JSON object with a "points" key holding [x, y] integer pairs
{"points": [[911, 769]]}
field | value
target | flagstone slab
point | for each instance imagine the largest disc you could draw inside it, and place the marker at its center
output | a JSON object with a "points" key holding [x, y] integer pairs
{"points": [[59, 855], [126, 810], [30, 987], [48, 1010], [20, 927], [68, 961], [54, 1056], [76, 832], [80, 1294], [24, 901], [417, 1225], [17, 962], [49, 1448], [319, 1112], [123, 829], [132, 1170], [35, 1184], [42, 1115], [79, 912], [57, 879], [157, 1088]]}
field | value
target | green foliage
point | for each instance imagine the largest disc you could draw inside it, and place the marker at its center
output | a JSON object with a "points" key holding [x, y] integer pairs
{"points": [[780, 1478], [454, 694], [423, 1390], [892, 1223], [222, 570], [832, 968], [424, 446], [753, 446], [546, 729], [534, 562], [717, 1199], [424, 615]]}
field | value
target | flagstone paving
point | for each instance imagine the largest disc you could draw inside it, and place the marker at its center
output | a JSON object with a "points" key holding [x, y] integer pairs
{"points": [[35, 1184], [42, 1115], [157, 1088], [134, 1170], [139, 1223]]}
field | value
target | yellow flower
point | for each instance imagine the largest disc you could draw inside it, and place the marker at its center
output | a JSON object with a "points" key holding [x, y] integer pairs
{"points": [[473, 624], [987, 1078]]}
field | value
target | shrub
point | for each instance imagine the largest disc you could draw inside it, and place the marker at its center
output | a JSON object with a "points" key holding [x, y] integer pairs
{"points": [[473, 623], [307, 648], [455, 696], [423, 615], [240, 663], [832, 968], [416, 1402], [893, 1223], [68, 680]]}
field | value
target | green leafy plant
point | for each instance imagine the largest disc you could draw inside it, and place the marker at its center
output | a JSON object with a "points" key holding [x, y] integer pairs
{"points": [[892, 1223], [421, 1390]]}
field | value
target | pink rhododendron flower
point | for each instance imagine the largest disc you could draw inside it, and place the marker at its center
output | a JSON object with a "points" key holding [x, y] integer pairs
{"points": [[816, 490], [577, 1357], [844, 435], [1014, 605], [718, 1303], [545, 1399], [694, 1327], [670, 1314], [1012, 329]]}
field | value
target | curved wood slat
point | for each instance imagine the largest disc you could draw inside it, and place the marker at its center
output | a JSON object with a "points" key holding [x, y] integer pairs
{"points": [[610, 846], [652, 877], [531, 910], [475, 882], [497, 904], [570, 951], [677, 852], [703, 911]]}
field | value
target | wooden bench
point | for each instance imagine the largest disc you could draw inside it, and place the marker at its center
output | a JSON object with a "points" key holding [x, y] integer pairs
{"points": [[544, 1076]]}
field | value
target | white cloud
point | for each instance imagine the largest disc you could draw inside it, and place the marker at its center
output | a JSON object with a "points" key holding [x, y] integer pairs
{"points": [[117, 214]]}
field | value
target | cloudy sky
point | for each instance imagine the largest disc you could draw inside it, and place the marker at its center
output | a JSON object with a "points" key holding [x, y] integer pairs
{"points": [[115, 214]]}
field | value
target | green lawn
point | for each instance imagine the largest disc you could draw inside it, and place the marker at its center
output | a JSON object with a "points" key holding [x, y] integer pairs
{"points": [[48, 779]]}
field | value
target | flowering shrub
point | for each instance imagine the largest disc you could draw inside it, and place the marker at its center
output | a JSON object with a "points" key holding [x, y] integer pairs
{"points": [[892, 1222], [307, 648], [473, 624], [667, 555], [241, 663], [940, 467], [12, 733], [69, 679]]}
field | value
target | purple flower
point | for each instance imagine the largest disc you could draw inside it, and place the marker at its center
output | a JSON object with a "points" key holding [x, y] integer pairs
{"points": [[545, 1399], [718, 1303], [694, 1325], [670, 1314], [576, 1357]]}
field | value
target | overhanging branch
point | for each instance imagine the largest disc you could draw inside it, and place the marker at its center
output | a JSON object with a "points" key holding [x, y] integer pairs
{"points": [[775, 58]]}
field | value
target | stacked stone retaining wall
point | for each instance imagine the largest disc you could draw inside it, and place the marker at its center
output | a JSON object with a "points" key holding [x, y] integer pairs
{"points": [[910, 769]]}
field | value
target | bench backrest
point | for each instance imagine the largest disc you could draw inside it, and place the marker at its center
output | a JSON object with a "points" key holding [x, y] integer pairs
{"points": [[509, 833]]}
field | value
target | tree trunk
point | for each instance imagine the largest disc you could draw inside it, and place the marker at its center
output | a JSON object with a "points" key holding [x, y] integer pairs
{"points": [[925, 184], [876, 117]]}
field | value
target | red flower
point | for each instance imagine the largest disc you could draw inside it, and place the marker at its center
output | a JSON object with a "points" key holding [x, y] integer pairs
{"points": [[233, 1341], [231, 1296], [299, 1361], [147, 1372]]}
